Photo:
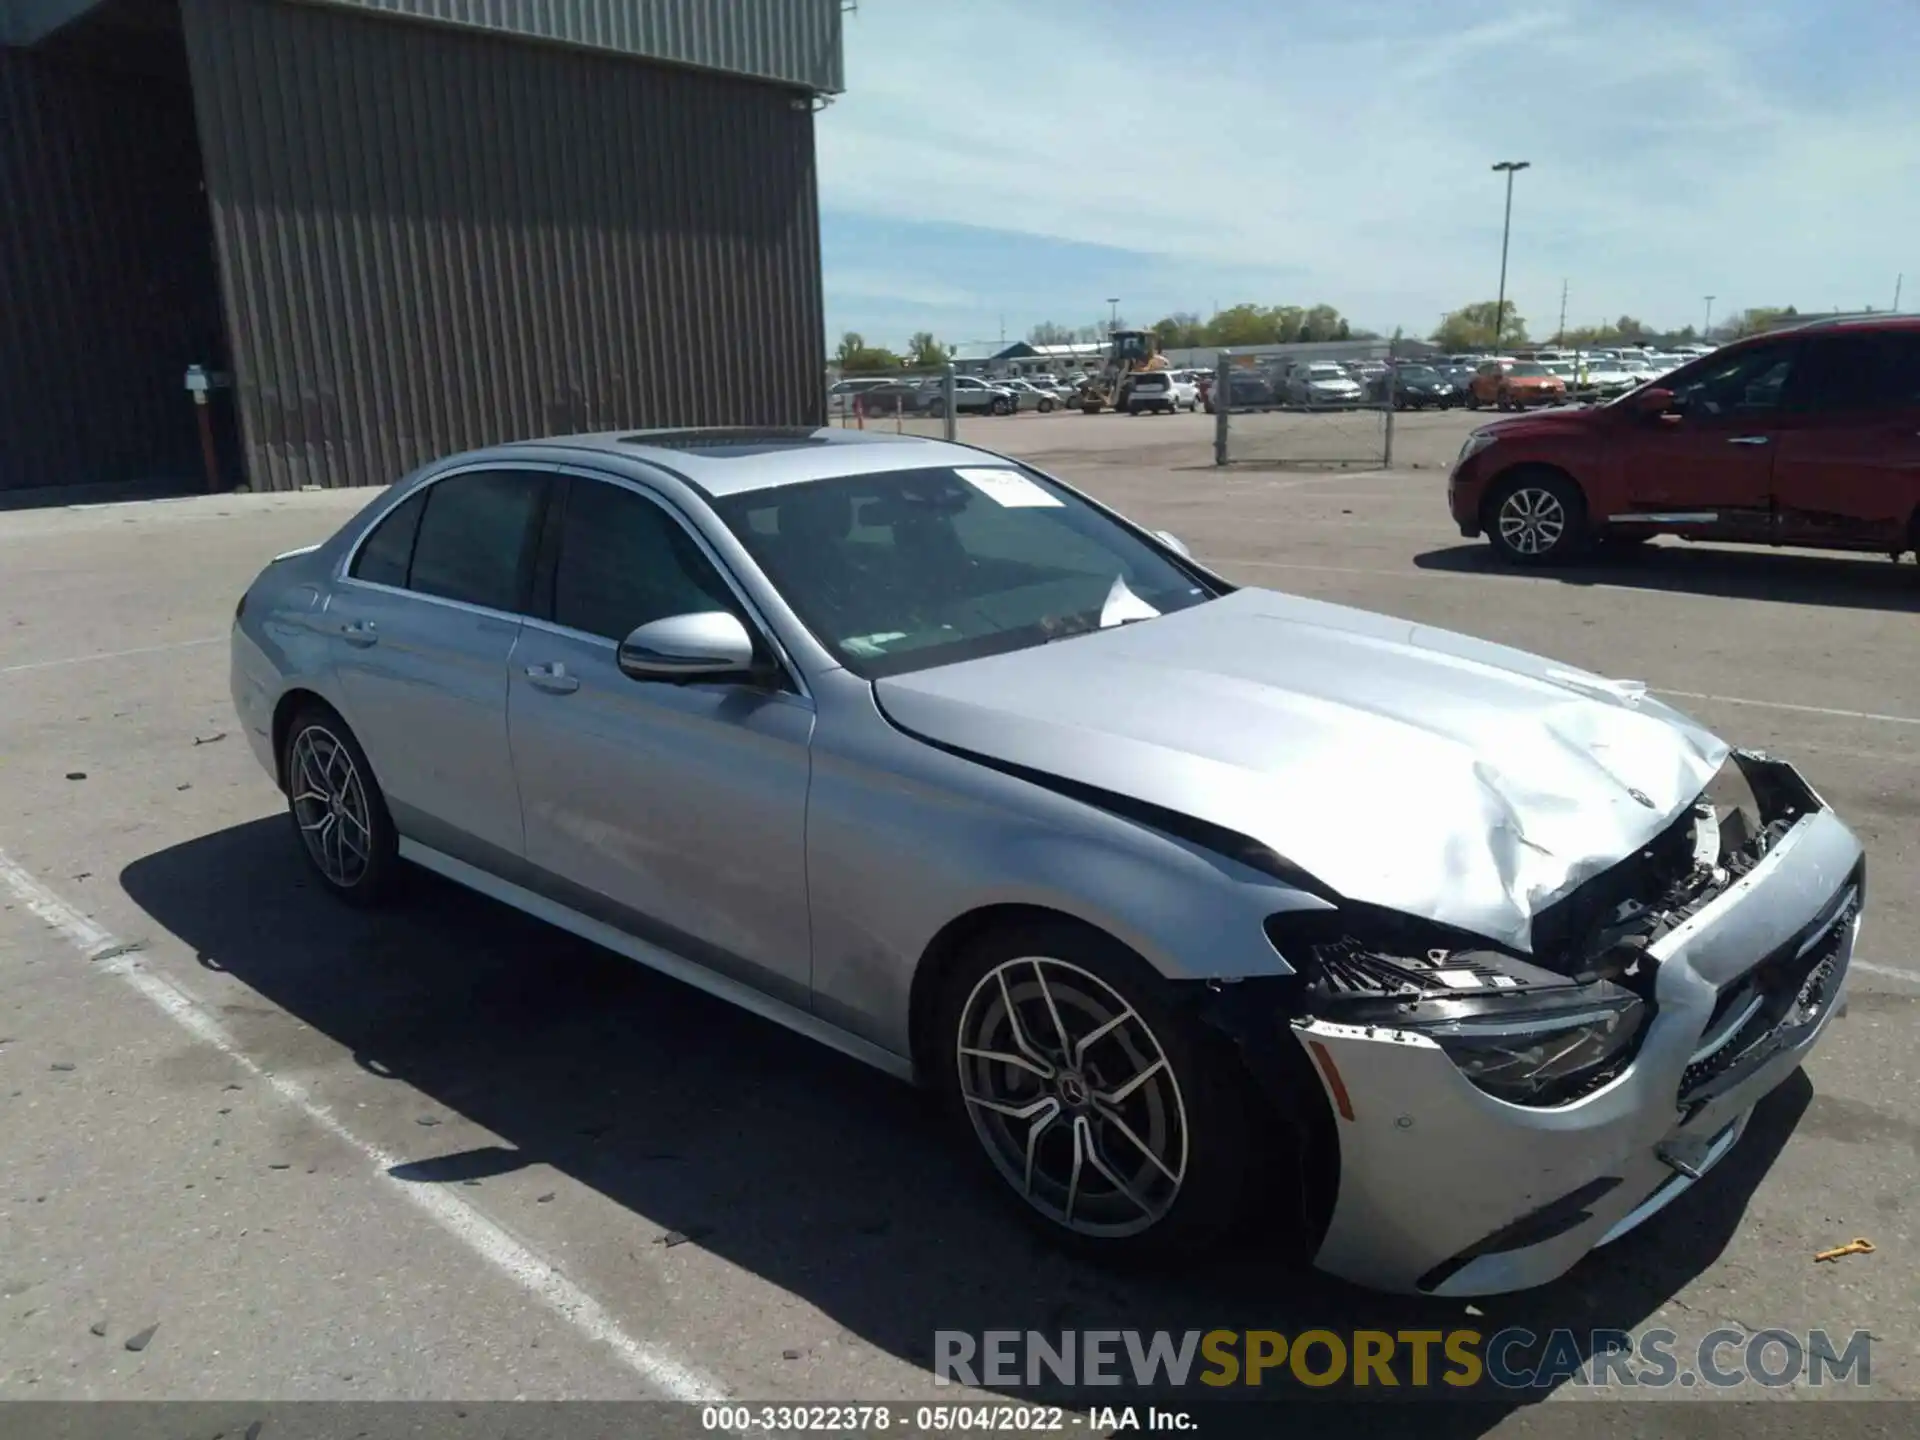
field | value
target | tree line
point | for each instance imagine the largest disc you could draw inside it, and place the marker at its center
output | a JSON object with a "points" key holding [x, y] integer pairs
{"points": [[1471, 327]]}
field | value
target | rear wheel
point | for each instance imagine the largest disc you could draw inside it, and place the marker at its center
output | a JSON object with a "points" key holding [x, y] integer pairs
{"points": [[1002, 407], [339, 813], [1044, 406], [1537, 517], [1118, 1124]]}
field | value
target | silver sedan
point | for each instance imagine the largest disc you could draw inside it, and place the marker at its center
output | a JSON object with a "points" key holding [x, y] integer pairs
{"points": [[1176, 892]]}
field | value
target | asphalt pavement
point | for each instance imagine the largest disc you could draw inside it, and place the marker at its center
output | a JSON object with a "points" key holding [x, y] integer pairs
{"points": [[449, 1153]]}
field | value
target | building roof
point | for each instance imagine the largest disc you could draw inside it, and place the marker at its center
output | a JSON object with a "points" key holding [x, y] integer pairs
{"points": [[787, 42]]}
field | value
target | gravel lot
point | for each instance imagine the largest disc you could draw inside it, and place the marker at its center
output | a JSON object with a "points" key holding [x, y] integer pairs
{"points": [[450, 1153]]}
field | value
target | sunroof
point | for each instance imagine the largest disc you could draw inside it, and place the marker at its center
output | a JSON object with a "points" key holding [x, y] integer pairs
{"points": [[731, 444]]}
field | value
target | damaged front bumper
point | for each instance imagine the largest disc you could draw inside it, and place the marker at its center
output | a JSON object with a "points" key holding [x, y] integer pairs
{"points": [[1444, 1189]]}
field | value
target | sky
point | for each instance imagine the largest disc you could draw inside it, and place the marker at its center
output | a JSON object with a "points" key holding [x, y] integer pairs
{"points": [[998, 163]]}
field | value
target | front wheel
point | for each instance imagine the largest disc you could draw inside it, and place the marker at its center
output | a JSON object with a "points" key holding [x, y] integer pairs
{"points": [[1044, 406], [1537, 517], [936, 410], [1115, 1120], [338, 810], [1002, 407]]}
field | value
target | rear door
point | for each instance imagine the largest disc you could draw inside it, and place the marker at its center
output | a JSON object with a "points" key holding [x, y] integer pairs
{"points": [[1712, 455], [1847, 464], [424, 622]]}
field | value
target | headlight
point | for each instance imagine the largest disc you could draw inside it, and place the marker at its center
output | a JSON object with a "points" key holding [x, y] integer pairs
{"points": [[1518, 1031], [1476, 442], [1535, 1049]]}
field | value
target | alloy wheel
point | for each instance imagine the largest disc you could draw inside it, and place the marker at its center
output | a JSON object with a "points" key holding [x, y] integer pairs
{"points": [[330, 806], [1072, 1097], [1532, 520]]}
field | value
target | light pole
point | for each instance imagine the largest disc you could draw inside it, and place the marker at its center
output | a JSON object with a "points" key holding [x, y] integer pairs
{"points": [[1706, 330], [1512, 167], [1113, 313]]}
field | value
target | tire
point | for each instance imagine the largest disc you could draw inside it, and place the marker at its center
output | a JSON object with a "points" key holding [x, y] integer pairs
{"points": [[331, 795], [1473, 402], [1536, 516], [1044, 407], [936, 410], [1001, 407], [1194, 1165]]}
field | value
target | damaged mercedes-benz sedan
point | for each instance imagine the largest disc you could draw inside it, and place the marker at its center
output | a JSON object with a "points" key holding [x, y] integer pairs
{"points": [[1173, 890]]}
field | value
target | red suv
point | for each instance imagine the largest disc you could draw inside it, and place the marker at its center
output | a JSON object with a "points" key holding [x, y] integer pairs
{"points": [[1799, 437]]}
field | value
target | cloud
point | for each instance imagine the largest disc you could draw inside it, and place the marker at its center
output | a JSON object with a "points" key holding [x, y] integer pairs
{"points": [[1289, 154]]}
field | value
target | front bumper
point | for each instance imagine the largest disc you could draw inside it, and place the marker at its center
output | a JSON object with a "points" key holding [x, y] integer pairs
{"points": [[1445, 1190]]}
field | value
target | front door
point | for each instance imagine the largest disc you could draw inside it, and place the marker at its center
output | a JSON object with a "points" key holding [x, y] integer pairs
{"points": [[1712, 454], [1847, 467], [674, 811], [423, 627]]}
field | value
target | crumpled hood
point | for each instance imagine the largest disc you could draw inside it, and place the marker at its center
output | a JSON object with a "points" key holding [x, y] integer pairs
{"points": [[1403, 766]]}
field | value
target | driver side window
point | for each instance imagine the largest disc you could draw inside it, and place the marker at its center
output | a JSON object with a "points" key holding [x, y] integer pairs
{"points": [[624, 562], [1747, 383]]}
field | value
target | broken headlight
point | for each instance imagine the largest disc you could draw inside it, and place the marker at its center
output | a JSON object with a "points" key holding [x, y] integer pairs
{"points": [[1521, 1032], [1545, 1048]]}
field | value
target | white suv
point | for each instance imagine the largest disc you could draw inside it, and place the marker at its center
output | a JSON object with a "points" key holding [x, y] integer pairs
{"points": [[1186, 390]]}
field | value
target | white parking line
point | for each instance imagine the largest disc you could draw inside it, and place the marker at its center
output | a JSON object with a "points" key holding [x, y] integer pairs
{"points": [[1892, 972], [664, 1372], [1797, 709], [111, 655]]}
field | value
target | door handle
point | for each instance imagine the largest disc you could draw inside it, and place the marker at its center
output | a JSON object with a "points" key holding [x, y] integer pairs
{"points": [[361, 633], [1748, 440], [552, 678]]}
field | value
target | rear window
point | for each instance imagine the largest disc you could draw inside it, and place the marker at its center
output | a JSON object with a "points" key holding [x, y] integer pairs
{"points": [[1150, 382]]}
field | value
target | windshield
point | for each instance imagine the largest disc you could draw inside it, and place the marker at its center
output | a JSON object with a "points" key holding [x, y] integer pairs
{"points": [[1418, 372], [916, 568], [1325, 372], [1529, 368]]}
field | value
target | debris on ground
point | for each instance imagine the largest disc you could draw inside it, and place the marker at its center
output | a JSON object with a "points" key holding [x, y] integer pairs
{"points": [[210, 739], [76, 774], [682, 1237], [789, 1354], [427, 1120], [97, 1328], [139, 1341], [62, 1065], [1852, 1247], [543, 1199]]}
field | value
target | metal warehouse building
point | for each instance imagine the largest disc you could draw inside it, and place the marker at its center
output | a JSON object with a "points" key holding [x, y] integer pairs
{"points": [[401, 227]]}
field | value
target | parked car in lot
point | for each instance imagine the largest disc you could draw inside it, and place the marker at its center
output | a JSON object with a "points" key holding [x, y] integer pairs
{"points": [[896, 397], [1322, 384], [1800, 437], [1152, 391], [1515, 385], [971, 396], [1415, 387], [1028, 396], [1602, 378], [1246, 390], [840, 395], [914, 750], [1186, 389]]}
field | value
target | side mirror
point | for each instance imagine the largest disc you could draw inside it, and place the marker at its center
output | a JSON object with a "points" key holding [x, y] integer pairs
{"points": [[1173, 542], [710, 645], [1653, 401]]}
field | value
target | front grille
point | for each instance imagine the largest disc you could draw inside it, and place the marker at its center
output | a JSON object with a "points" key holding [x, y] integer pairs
{"points": [[1771, 1005]]}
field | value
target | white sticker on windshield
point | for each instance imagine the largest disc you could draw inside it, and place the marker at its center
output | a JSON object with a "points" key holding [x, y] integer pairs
{"points": [[1007, 487]]}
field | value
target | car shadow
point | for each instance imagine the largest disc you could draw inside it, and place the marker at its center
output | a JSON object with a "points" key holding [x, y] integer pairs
{"points": [[829, 1181], [1858, 582]]}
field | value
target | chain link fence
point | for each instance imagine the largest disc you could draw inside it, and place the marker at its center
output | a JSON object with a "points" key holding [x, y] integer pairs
{"points": [[908, 402], [1303, 409]]}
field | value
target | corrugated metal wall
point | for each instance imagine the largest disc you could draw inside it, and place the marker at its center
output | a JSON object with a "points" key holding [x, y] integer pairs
{"points": [[107, 288], [793, 41], [431, 239]]}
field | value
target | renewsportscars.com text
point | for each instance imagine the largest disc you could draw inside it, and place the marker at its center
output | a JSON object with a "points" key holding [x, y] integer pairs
{"points": [[1510, 1359]]}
